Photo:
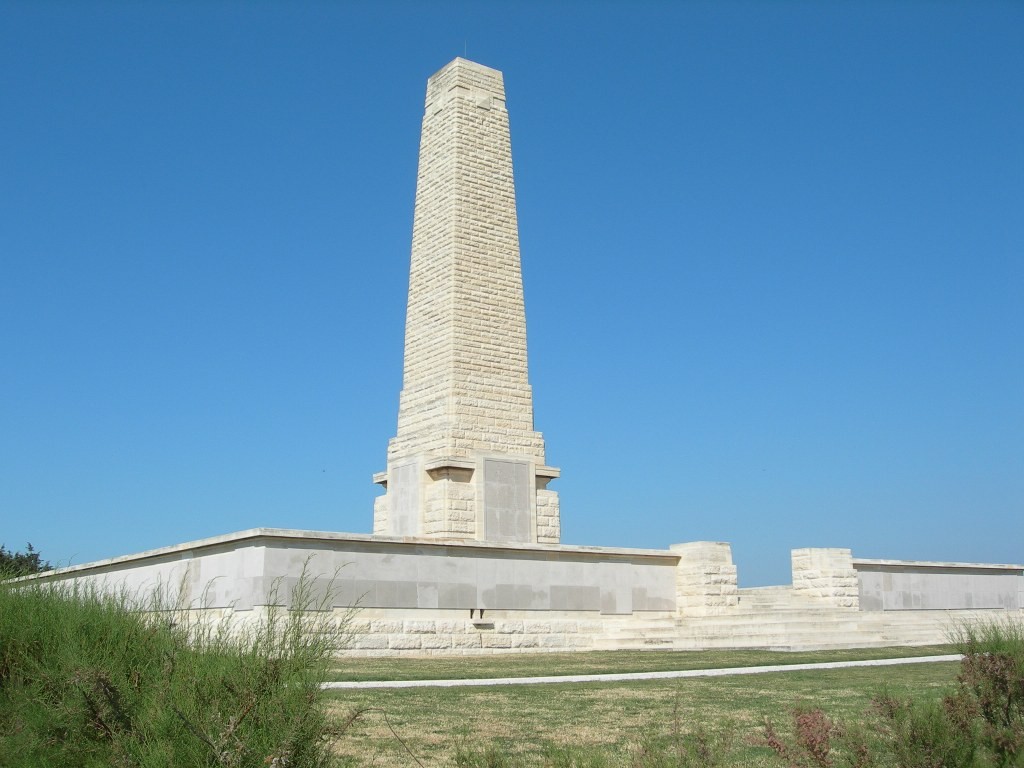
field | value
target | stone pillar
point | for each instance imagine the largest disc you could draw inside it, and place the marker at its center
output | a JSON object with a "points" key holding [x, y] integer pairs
{"points": [[466, 462], [705, 578], [826, 576], [549, 525]]}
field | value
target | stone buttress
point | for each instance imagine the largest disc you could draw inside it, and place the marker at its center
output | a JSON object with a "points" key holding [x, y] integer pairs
{"points": [[466, 462]]}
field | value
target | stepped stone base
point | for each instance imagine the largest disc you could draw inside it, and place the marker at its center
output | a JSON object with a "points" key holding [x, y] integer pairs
{"points": [[518, 632]]}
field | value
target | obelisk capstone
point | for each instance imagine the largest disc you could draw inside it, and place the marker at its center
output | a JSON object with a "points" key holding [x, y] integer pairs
{"points": [[466, 462]]}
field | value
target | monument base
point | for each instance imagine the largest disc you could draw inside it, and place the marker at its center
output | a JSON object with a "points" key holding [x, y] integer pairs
{"points": [[421, 596]]}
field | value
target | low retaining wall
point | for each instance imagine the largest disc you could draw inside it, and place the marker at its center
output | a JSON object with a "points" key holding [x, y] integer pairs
{"points": [[417, 596], [907, 585], [412, 595], [240, 571]]}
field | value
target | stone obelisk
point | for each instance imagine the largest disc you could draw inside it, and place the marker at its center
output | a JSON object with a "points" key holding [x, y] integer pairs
{"points": [[466, 462]]}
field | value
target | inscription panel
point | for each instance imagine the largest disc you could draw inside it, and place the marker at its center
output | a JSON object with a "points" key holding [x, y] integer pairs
{"points": [[904, 588], [404, 519], [507, 501]]}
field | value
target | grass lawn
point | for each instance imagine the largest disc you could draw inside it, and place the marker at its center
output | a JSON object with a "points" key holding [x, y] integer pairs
{"points": [[605, 724], [598, 662]]}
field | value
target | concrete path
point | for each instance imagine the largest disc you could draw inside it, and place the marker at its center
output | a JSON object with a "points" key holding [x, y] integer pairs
{"points": [[624, 676]]}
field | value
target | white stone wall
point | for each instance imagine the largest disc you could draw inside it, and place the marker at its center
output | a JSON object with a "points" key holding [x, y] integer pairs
{"points": [[549, 526], [706, 583], [416, 597], [380, 515], [908, 585], [450, 507], [826, 575]]}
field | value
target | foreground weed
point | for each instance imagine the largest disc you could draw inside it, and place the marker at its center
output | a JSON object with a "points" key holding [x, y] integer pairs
{"points": [[86, 680], [920, 735], [489, 757], [814, 735], [697, 747], [990, 688], [577, 757], [560, 756], [979, 724]]}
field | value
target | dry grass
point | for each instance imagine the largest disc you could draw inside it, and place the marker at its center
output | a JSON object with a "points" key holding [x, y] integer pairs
{"points": [[612, 720], [597, 662]]}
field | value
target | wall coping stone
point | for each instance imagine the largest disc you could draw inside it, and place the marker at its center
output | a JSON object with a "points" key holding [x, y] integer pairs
{"points": [[260, 536], [865, 563]]}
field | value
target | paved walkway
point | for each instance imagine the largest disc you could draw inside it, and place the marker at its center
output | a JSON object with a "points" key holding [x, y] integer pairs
{"points": [[625, 676]]}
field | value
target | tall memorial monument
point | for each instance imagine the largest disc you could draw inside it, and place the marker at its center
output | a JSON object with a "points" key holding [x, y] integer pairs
{"points": [[466, 462], [467, 521]]}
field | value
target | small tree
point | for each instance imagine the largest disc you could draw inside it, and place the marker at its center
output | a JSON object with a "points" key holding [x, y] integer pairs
{"points": [[14, 564]]}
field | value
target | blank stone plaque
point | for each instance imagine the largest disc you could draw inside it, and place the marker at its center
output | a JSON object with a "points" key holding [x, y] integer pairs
{"points": [[506, 500], [405, 501]]}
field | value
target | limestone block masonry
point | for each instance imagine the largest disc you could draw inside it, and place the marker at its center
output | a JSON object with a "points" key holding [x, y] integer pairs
{"points": [[826, 575], [466, 462], [706, 582], [371, 636]]}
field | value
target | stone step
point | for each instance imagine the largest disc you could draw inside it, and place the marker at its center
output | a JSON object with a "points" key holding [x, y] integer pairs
{"points": [[789, 627], [782, 604], [765, 593], [742, 640], [635, 644], [787, 612], [806, 634], [808, 606], [623, 630], [775, 622]]}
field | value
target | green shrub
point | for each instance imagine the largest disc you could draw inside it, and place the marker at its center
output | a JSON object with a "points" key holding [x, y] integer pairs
{"points": [[14, 564], [85, 680], [922, 735], [979, 724], [990, 689]]}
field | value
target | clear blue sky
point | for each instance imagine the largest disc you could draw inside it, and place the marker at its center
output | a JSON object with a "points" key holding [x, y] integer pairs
{"points": [[773, 257]]}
